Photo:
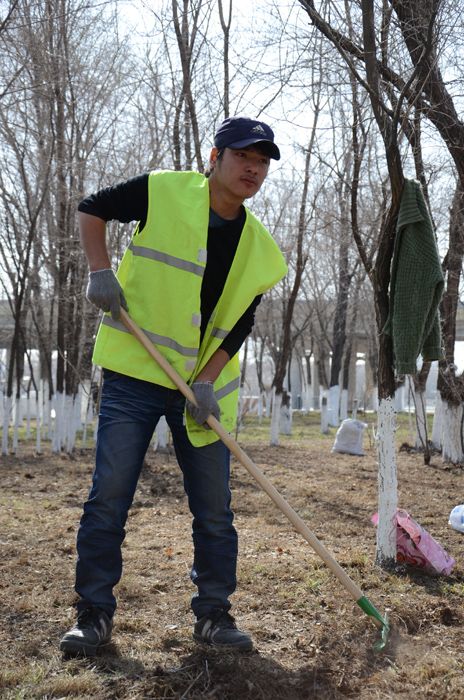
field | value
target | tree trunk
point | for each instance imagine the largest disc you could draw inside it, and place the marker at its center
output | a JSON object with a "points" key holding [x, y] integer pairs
{"points": [[340, 318], [333, 405], [225, 25], [451, 388], [419, 385], [275, 418], [437, 428], [387, 477], [186, 35], [285, 421], [452, 434], [324, 415]]}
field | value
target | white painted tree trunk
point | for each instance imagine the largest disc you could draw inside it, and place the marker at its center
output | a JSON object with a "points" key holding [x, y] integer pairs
{"points": [[46, 409], [68, 423], [161, 435], [268, 398], [334, 405], [68, 427], [275, 419], [437, 427], [7, 408], [452, 447], [387, 484], [307, 399], [324, 416], [344, 405], [72, 421], [399, 399], [87, 419], [16, 425], [78, 407], [54, 421], [58, 403], [421, 420], [28, 416], [62, 412], [38, 421]]}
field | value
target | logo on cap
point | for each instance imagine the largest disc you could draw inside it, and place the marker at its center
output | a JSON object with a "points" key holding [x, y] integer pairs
{"points": [[241, 132]]}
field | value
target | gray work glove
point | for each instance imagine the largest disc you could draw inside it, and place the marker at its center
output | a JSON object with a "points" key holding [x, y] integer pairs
{"points": [[206, 400], [105, 292]]}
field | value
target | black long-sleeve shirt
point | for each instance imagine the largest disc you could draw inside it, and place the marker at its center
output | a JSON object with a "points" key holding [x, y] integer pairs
{"points": [[128, 201]]}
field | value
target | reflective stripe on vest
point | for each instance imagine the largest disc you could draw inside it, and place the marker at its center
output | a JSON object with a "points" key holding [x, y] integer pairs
{"points": [[154, 337], [226, 393], [227, 389], [219, 333], [167, 259]]}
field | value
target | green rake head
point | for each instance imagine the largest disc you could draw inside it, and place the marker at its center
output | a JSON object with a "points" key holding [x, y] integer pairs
{"points": [[381, 622]]}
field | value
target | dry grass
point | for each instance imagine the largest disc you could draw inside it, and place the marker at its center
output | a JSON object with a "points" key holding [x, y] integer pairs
{"points": [[311, 640]]}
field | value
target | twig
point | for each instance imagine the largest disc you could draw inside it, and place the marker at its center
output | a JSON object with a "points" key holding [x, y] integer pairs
{"points": [[178, 670], [184, 695]]}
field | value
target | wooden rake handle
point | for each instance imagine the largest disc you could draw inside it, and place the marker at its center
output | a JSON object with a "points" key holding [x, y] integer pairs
{"points": [[243, 458]]}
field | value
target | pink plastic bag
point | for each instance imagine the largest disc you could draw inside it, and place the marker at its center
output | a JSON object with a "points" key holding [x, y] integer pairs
{"points": [[415, 546]]}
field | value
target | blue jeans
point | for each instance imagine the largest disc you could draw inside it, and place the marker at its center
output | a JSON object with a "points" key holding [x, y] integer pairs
{"points": [[129, 411]]}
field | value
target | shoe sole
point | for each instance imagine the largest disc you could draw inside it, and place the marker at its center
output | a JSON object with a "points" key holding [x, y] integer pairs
{"points": [[225, 647], [71, 648]]}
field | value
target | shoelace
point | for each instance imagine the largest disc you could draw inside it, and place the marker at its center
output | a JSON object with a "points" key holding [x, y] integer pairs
{"points": [[87, 618], [223, 619]]}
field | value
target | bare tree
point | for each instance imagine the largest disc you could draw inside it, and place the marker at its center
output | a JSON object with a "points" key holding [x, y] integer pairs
{"points": [[187, 30], [424, 30], [388, 125], [59, 106]]}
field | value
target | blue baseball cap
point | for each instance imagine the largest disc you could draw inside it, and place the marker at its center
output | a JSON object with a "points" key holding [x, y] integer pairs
{"points": [[240, 132]]}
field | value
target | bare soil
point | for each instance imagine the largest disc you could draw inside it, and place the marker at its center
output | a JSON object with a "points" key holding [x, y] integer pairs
{"points": [[312, 640]]}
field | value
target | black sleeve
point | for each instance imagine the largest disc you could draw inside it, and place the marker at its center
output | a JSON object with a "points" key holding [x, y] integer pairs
{"points": [[126, 201], [242, 328]]}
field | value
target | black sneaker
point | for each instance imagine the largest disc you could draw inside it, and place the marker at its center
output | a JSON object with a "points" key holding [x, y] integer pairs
{"points": [[91, 631], [219, 630]]}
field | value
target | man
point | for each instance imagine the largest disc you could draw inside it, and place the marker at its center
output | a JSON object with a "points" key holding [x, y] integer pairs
{"points": [[191, 277]]}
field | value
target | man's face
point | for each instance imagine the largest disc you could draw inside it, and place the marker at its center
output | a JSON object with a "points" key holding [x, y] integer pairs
{"points": [[240, 173]]}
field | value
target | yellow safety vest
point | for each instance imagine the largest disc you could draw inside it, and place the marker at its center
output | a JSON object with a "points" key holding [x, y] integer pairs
{"points": [[161, 274]]}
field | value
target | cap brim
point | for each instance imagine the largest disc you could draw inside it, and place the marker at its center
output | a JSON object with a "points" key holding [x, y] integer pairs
{"points": [[271, 148]]}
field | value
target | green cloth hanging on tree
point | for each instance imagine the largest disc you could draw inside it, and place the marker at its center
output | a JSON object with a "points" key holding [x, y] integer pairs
{"points": [[416, 285]]}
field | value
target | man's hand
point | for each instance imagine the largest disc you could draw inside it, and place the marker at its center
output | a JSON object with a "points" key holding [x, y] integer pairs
{"points": [[105, 292], [206, 400]]}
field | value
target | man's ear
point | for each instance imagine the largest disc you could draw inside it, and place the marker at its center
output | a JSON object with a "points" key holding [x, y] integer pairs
{"points": [[213, 157]]}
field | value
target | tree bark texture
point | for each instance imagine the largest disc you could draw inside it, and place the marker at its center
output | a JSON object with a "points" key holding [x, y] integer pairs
{"points": [[186, 36]]}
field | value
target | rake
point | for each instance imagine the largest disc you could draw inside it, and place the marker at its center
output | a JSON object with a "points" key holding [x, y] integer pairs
{"points": [[299, 525]]}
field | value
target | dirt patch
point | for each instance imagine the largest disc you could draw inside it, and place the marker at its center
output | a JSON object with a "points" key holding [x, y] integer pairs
{"points": [[311, 640]]}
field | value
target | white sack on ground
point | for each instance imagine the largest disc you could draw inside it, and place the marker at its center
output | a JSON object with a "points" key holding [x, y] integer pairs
{"points": [[349, 437]]}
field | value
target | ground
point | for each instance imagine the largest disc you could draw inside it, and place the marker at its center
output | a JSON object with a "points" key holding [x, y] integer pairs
{"points": [[312, 640]]}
